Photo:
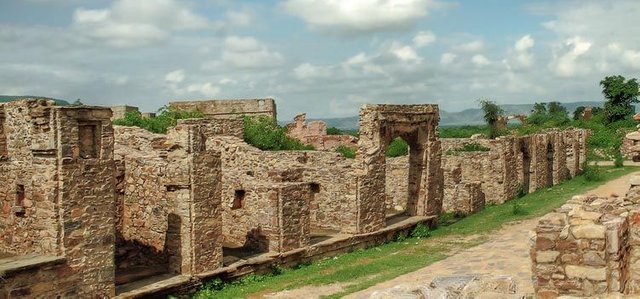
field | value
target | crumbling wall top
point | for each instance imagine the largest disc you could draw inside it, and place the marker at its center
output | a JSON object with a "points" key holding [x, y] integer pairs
{"points": [[229, 108]]}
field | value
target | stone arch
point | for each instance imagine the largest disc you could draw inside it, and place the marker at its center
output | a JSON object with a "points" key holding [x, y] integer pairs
{"points": [[379, 125]]}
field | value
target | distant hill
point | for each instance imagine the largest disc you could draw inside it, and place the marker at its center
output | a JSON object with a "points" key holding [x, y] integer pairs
{"points": [[5, 98], [464, 117]]}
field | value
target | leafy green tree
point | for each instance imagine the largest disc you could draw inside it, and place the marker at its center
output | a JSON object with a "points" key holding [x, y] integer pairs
{"points": [[621, 94], [334, 131], [539, 108], [398, 147], [578, 112], [492, 112], [264, 133], [556, 108]]}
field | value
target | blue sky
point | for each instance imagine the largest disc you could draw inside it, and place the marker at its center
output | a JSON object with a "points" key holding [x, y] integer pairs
{"points": [[325, 58]]}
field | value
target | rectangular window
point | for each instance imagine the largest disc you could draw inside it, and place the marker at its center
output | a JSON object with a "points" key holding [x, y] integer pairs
{"points": [[89, 140], [19, 206], [238, 199]]}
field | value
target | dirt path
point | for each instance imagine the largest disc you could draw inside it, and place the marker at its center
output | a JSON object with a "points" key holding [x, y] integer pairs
{"points": [[505, 253]]}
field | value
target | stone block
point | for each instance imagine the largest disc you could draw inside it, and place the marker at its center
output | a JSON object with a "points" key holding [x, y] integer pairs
{"points": [[591, 273], [588, 231], [546, 256]]}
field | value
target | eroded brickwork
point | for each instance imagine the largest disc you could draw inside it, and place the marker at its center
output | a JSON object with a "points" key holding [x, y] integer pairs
{"points": [[58, 185], [315, 134], [588, 247], [379, 125], [229, 108]]}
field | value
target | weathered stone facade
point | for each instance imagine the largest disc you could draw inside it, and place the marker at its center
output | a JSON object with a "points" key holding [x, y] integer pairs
{"points": [[379, 125], [589, 247], [510, 165], [121, 111], [57, 201], [229, 108], [315, 134]]}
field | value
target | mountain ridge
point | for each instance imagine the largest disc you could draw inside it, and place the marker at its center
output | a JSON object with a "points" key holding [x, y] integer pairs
{"points": [[471, 116]]}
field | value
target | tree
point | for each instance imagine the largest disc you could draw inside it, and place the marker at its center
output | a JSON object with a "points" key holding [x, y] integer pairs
{"points": [[620, 94], [77, 102], [492, 112], [556, 108], [578, 112], [539, 108]]}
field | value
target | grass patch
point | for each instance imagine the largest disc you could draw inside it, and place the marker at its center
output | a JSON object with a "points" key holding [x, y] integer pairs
{"points": [[264, 133], [364, 268]]}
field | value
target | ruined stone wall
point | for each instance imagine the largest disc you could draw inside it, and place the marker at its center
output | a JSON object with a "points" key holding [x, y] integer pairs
{"points": [[379, 125], [62, 159], [229, 108], [169, 183], [273, 216], [333, 205], [494, 169], [121, 111], [315, 133], [397, 183], [588, 247]]}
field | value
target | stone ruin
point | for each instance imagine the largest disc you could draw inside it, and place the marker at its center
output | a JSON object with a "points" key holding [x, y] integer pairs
{"points": [[315, 133], [589, 247], [229, 108], [90, 209]]}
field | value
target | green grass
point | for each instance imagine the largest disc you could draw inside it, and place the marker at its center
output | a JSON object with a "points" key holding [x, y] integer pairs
{"points": [[363, 268]]}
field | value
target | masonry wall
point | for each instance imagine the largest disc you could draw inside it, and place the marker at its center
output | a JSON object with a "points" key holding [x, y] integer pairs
{"points": [[315, 133], [275, 217], [333, 205], [229, 108], [494, 169], [397, 183], [169, 183], [588, 247], [63, 203]]}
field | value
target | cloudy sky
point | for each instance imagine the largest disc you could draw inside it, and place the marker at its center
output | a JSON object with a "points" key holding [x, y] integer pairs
{"points": [[323, 57]]}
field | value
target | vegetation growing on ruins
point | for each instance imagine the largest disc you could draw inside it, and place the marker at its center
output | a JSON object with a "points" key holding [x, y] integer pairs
{"points": [[264, 133], [398, 147], [165, 119], [346, 151], [364, 268]]}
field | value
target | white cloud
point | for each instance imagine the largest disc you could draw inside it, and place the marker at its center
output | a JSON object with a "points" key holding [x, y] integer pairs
{"points": [[249, 53], [447, 58], [567, 62], [309, 71], [240, 18], [480, 60], [205, 89], [127, 24], [424, 38], [176, 76], [405, 53], [521, 57], [473, 46], [362, 16]]}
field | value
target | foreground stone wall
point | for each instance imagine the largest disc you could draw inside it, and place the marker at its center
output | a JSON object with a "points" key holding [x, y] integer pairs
{"points": [[315, 134], [588, 247], [229, 108], [61, 188]]}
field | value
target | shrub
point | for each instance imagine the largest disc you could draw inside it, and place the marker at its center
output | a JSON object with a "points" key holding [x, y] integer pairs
{"points": [[398, 147], [474, 147], [264, 133], [165, 119], [618, 161], [334, 131], [592, 173], [346, 151], [420, 231], [516, 208]]}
